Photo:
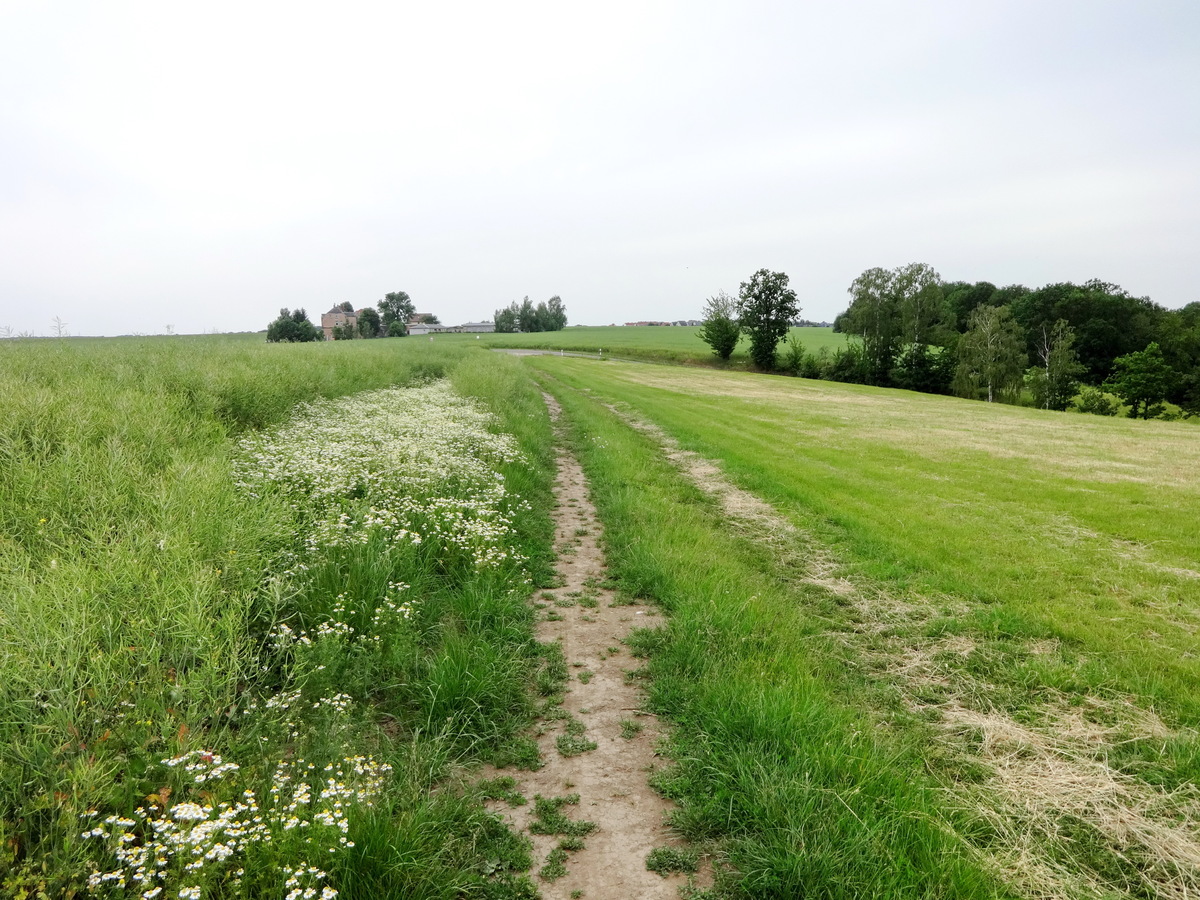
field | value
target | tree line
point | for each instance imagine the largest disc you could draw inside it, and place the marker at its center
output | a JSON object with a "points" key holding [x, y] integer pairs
{"points": [[1055, 347], [525, 317]]}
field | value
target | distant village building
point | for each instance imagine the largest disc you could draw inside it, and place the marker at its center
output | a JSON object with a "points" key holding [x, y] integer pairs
{"points": [[335, 317], [468, 328], [338, 317], [684, 322]]}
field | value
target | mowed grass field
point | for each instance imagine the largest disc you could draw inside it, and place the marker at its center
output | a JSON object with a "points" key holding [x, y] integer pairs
{"points": [[678, 344], [1007, 598]]}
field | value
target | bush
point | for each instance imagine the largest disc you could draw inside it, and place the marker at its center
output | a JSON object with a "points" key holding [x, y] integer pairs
{"points": [[811, 367], [793, 356], [1095, 401], [292, 327], [924, 368], [721, 329], [848, 365]]}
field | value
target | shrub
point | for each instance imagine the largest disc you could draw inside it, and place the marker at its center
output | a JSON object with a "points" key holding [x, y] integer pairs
{"points": [[721, 329], [793, 356], [1095, 401]]}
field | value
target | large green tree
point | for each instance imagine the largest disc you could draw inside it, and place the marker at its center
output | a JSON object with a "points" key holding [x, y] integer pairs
{"points": [[552, 315], [527, 317], [396, 306], [962, 298], [1179, 339], [369, 323], [891, 309], [874, 316], [766, 307], [918, 290], [991, 356], [1108, 321], [507, 320], [721, 329], [292, 326], [1142, 379]]}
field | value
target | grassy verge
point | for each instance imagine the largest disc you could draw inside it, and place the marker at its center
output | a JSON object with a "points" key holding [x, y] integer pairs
{"points": [[801, 790], [173, 640]]}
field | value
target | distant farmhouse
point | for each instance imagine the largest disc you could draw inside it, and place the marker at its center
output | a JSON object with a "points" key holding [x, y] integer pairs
{"points": [[677, 322], [335, 317], [339, 317]]}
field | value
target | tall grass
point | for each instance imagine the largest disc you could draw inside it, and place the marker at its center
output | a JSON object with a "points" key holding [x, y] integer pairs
{"points": [[139, 585]]}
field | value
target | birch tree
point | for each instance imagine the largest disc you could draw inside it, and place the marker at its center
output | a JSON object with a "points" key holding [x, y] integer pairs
{"points": [[874, 316], [1055, 378], [991, 356]]}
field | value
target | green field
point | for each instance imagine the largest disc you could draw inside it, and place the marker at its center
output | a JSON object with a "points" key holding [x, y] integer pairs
{"points": [[677, 344], [1056, 525], [914, 646], [1007, 598]]}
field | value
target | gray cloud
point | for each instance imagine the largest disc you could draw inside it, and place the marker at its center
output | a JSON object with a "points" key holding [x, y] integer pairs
{"points": [[203, 167]]}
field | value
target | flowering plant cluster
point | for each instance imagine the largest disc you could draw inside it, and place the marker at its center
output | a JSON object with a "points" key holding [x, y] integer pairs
{"points": [[384, 616], [188, 845], [402, 465], [382, 471]]}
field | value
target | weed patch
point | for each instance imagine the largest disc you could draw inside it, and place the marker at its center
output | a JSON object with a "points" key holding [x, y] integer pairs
{"points": [[669, 860], [549, 817]]}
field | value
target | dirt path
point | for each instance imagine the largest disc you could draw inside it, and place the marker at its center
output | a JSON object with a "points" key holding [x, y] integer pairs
{"points": [[611, 779]]}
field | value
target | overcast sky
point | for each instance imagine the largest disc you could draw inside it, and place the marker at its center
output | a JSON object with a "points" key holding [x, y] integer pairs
{"points": [[201, 165]]}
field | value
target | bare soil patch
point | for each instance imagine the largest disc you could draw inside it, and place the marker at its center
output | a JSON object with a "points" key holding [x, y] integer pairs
{"points": [[611, 780]]}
